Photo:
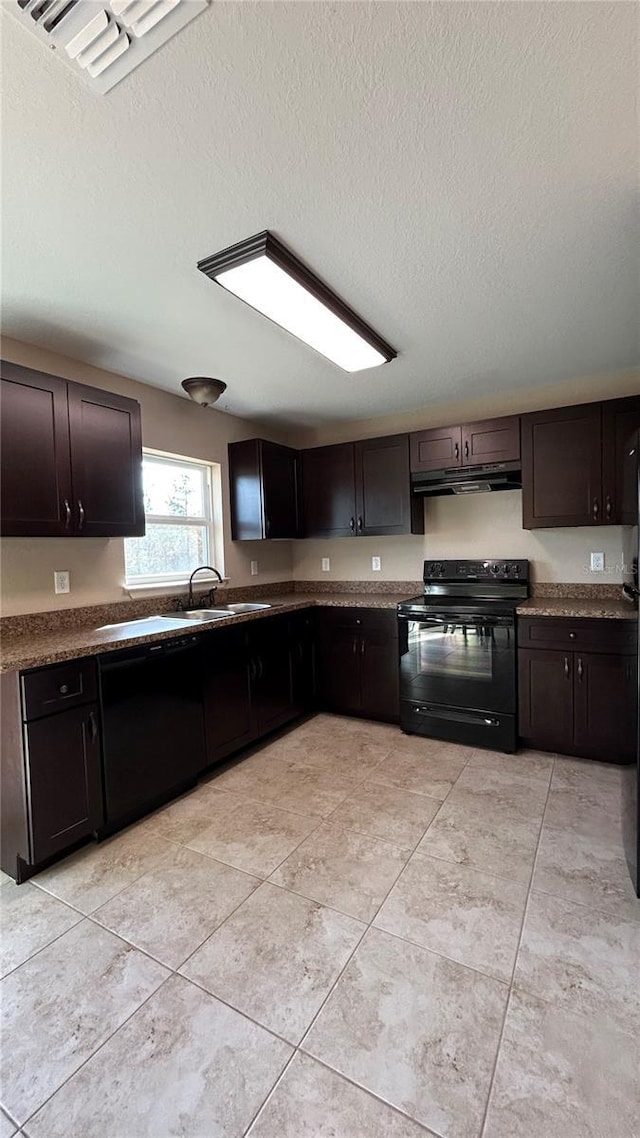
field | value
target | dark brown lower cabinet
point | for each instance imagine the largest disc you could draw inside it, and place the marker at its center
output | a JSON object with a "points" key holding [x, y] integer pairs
{"points": [[579, 696], [64, 778], [257, 677], [51, 767], [358, 669]]}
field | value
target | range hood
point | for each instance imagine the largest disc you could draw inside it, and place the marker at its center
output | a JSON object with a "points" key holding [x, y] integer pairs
{"points": [[470, 480]]}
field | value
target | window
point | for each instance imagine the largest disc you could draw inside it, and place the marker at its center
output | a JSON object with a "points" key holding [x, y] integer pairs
{"points": [[179, 517]]}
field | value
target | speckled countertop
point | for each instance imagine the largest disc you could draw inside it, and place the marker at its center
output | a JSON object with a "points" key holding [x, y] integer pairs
{"points": [[604, 608], [33, 649]]}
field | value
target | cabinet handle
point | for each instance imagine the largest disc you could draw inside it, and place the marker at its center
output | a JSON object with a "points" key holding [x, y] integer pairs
{"points": [[566, 667], [572, 636], [267, 526], [93, 727], [607, 508], [63, 689], [80, 514], [363, 645], [466, 448], [580, 668], [352, 524], [596, 508], [456, 450], [355, 645], [359, 523], [67, 513]]}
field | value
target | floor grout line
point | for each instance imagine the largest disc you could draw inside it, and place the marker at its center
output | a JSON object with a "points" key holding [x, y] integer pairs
{"points": [[515, 962]]}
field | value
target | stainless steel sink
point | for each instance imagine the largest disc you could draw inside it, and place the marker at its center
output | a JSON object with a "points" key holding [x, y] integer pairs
{"points": [[198, 615], [238, 608]]}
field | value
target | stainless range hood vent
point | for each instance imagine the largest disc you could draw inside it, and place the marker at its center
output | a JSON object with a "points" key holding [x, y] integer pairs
{"points": [[471, 480]]}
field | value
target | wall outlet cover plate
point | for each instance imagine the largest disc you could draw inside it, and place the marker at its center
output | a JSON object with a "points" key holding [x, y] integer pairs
{"points": [[61, 581], [597, 562], [326, 564]]}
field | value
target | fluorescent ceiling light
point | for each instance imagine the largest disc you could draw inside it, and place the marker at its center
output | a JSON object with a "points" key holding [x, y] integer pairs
{"points": [[263, 273]]}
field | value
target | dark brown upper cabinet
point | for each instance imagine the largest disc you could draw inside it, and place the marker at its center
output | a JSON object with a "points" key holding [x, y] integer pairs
{"points": [[620, 425], [473, 444], [329, 491], [439, 448], [264, 488], [575, 471], [71, 462], [492, 440], [360, 489]]}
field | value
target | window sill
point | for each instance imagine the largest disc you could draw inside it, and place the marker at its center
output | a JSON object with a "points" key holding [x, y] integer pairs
{"points": [[168, 587]]}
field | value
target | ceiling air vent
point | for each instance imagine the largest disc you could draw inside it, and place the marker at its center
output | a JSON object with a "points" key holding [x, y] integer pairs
{"points": [[103, 42]]}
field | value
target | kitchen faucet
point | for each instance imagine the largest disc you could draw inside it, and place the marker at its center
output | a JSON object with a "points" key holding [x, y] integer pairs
{"points": [[191, 604]]}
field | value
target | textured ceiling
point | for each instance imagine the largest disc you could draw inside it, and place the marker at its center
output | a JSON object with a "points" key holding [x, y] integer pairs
{"points": [[465, 175]]}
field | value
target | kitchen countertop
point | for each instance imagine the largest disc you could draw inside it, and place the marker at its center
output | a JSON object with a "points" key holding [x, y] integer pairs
{"points": [[35, 649], [603, 608]]}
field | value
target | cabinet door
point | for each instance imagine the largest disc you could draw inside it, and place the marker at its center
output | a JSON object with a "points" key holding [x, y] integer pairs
{"points": [[439, 448], [329, 491], [621, 423], [280, 490], [493, 440], [562, 467], [227, 694], [35, 477], [339, 663], [545, 717], [303, 661], [605, 706], [380, 675], [62, 755], [383, 488], [272, 699], [106, 463]]}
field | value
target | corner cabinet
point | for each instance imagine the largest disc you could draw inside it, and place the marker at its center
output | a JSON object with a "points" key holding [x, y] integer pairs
{"points": [[577, 469], [578, 687], [358, 670], [264, 490], [71, 459], [360, 489]]}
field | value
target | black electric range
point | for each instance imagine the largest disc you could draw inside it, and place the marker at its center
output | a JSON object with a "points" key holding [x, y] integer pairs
{"points": [[458, 652]]}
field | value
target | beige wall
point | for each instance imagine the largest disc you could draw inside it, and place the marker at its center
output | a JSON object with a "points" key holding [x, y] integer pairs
{"points": [[584, 389], [169, 423], [478, 525], [481, 525]]}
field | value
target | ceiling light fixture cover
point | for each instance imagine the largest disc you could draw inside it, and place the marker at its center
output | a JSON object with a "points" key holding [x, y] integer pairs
{"points": [[204, 390], [263, 273]]}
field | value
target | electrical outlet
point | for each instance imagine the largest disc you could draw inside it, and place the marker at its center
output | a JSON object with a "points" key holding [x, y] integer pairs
{"points": [[326, 564], [597, 562], [376, 563], [61, 582], [254, 568]]}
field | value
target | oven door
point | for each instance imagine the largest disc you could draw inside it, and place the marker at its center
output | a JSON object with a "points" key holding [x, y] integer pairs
{"points": [[459, 660]]}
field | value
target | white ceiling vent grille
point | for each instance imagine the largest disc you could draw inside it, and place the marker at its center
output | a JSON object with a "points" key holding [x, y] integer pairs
{"points": [[103, 42]]}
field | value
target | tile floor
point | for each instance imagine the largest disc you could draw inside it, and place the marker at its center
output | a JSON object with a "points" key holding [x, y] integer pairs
{"points": [[350, 933]]}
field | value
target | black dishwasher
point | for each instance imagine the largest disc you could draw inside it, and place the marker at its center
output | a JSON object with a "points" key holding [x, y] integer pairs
{"points": [[153, 724]]}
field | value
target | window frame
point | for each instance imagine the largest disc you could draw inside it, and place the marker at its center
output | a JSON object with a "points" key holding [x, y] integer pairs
{"points": [[206, 521]]}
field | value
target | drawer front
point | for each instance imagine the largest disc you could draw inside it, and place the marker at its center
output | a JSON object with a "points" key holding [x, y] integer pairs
{"points": [[567, 634], [49, 690], [360, 619]]}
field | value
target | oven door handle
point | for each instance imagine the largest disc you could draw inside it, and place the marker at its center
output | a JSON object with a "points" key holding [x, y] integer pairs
{"points": [[459, 620]]}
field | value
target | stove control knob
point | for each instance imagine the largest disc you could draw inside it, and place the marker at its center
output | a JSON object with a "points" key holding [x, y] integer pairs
{"points": [[495, 569]]}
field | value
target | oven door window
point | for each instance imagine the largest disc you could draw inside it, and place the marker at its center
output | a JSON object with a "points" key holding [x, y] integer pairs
{"points": [[459, 662]]}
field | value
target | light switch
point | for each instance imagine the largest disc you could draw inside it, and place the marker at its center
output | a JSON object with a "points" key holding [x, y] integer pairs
{"points": [[376, 563], [326, 564], [254, 568], [597, 562]]}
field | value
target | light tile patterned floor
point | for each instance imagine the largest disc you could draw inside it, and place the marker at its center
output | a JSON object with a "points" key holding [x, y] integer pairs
{"points": [[350, 933]]}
